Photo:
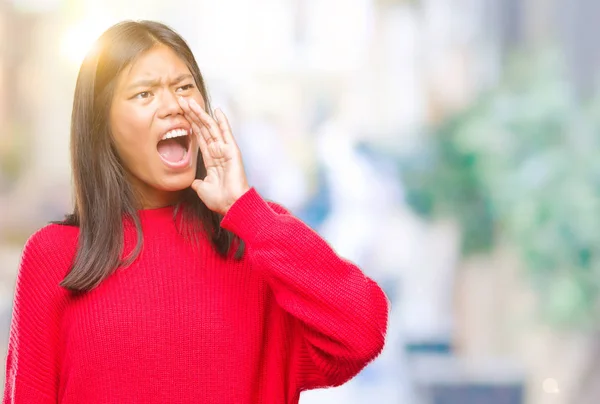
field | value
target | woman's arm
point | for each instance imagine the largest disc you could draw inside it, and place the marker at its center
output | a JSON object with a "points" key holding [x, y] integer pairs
{"points": [[31, 362], [341, 314]]}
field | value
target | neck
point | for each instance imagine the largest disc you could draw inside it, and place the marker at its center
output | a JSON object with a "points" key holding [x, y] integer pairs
{"points": [[149, 197], [159, 200]]}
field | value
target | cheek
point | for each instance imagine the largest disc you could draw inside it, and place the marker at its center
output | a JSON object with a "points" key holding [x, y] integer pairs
{"points": [[198, 98], [131, 129]]}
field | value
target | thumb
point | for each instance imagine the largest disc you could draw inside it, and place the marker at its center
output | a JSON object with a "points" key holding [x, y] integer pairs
{"points": [[198, 187]]}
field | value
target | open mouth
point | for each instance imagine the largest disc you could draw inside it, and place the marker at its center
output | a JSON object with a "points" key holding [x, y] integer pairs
{"points": [[174, 146]]}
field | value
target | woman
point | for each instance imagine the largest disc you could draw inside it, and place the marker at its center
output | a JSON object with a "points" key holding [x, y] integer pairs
{"points": [[173, 281]]}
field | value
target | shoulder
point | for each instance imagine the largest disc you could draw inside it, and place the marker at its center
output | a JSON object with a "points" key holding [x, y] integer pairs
{"points": [[52, 239], [49, 252], [45, 260]]}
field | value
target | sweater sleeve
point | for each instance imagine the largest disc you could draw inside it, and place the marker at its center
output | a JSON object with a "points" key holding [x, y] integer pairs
{"points": [[31, 362], [340, 315]]}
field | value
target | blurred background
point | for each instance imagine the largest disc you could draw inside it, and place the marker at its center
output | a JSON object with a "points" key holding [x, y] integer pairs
{"points": [[448, 147]]}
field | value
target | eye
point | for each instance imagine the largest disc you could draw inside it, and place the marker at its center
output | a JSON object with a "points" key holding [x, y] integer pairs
{"points": [[186, 87], [143, 94]]}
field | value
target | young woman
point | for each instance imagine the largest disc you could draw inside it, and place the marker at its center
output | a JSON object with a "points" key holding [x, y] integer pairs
{"points": [[174, 281]]}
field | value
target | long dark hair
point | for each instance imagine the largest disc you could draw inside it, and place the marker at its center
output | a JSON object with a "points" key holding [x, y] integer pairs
{"points": [[103, 196]]}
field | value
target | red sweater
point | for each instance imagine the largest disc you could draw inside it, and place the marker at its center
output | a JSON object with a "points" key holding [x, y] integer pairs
{"points": [[183, 325]]}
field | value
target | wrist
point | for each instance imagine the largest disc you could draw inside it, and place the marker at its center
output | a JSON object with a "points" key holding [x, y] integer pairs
{"points": [[237, 196]]}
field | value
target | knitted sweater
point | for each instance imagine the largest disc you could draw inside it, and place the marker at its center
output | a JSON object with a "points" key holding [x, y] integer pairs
{"points": [[184, 325]]}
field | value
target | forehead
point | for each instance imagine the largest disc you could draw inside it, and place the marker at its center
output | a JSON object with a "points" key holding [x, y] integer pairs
{"points": [[160, 62]]}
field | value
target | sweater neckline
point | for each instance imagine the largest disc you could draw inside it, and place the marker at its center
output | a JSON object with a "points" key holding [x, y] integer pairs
{"points": [[165, 212]]}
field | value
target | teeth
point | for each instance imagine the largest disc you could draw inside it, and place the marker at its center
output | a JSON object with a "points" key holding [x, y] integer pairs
{"points": [[175, 133]]}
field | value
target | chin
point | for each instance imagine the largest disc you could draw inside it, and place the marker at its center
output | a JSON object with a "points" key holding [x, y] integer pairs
{"points": [[176, 182]]}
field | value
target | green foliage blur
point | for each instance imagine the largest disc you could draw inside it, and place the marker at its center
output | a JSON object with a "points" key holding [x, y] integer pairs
{"points": [[522, 165]]}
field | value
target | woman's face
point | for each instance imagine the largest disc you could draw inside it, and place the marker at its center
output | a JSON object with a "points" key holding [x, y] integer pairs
{"points": [[144, 111]]}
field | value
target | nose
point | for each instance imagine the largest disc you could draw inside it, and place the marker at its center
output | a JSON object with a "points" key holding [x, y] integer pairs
{"points": [[169, 106]]}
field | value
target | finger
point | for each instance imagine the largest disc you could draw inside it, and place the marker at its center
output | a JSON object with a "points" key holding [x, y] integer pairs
{"points": [[206, 156], [224, 125], [208, 121], [200, 131], [197, 186], [185, 105], [203, 131], [210, 133], [195, 128], [194, 119], [188, 113]]}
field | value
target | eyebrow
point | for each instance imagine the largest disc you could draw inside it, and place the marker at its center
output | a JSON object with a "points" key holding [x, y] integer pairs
{"points": [[156, 82]]}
